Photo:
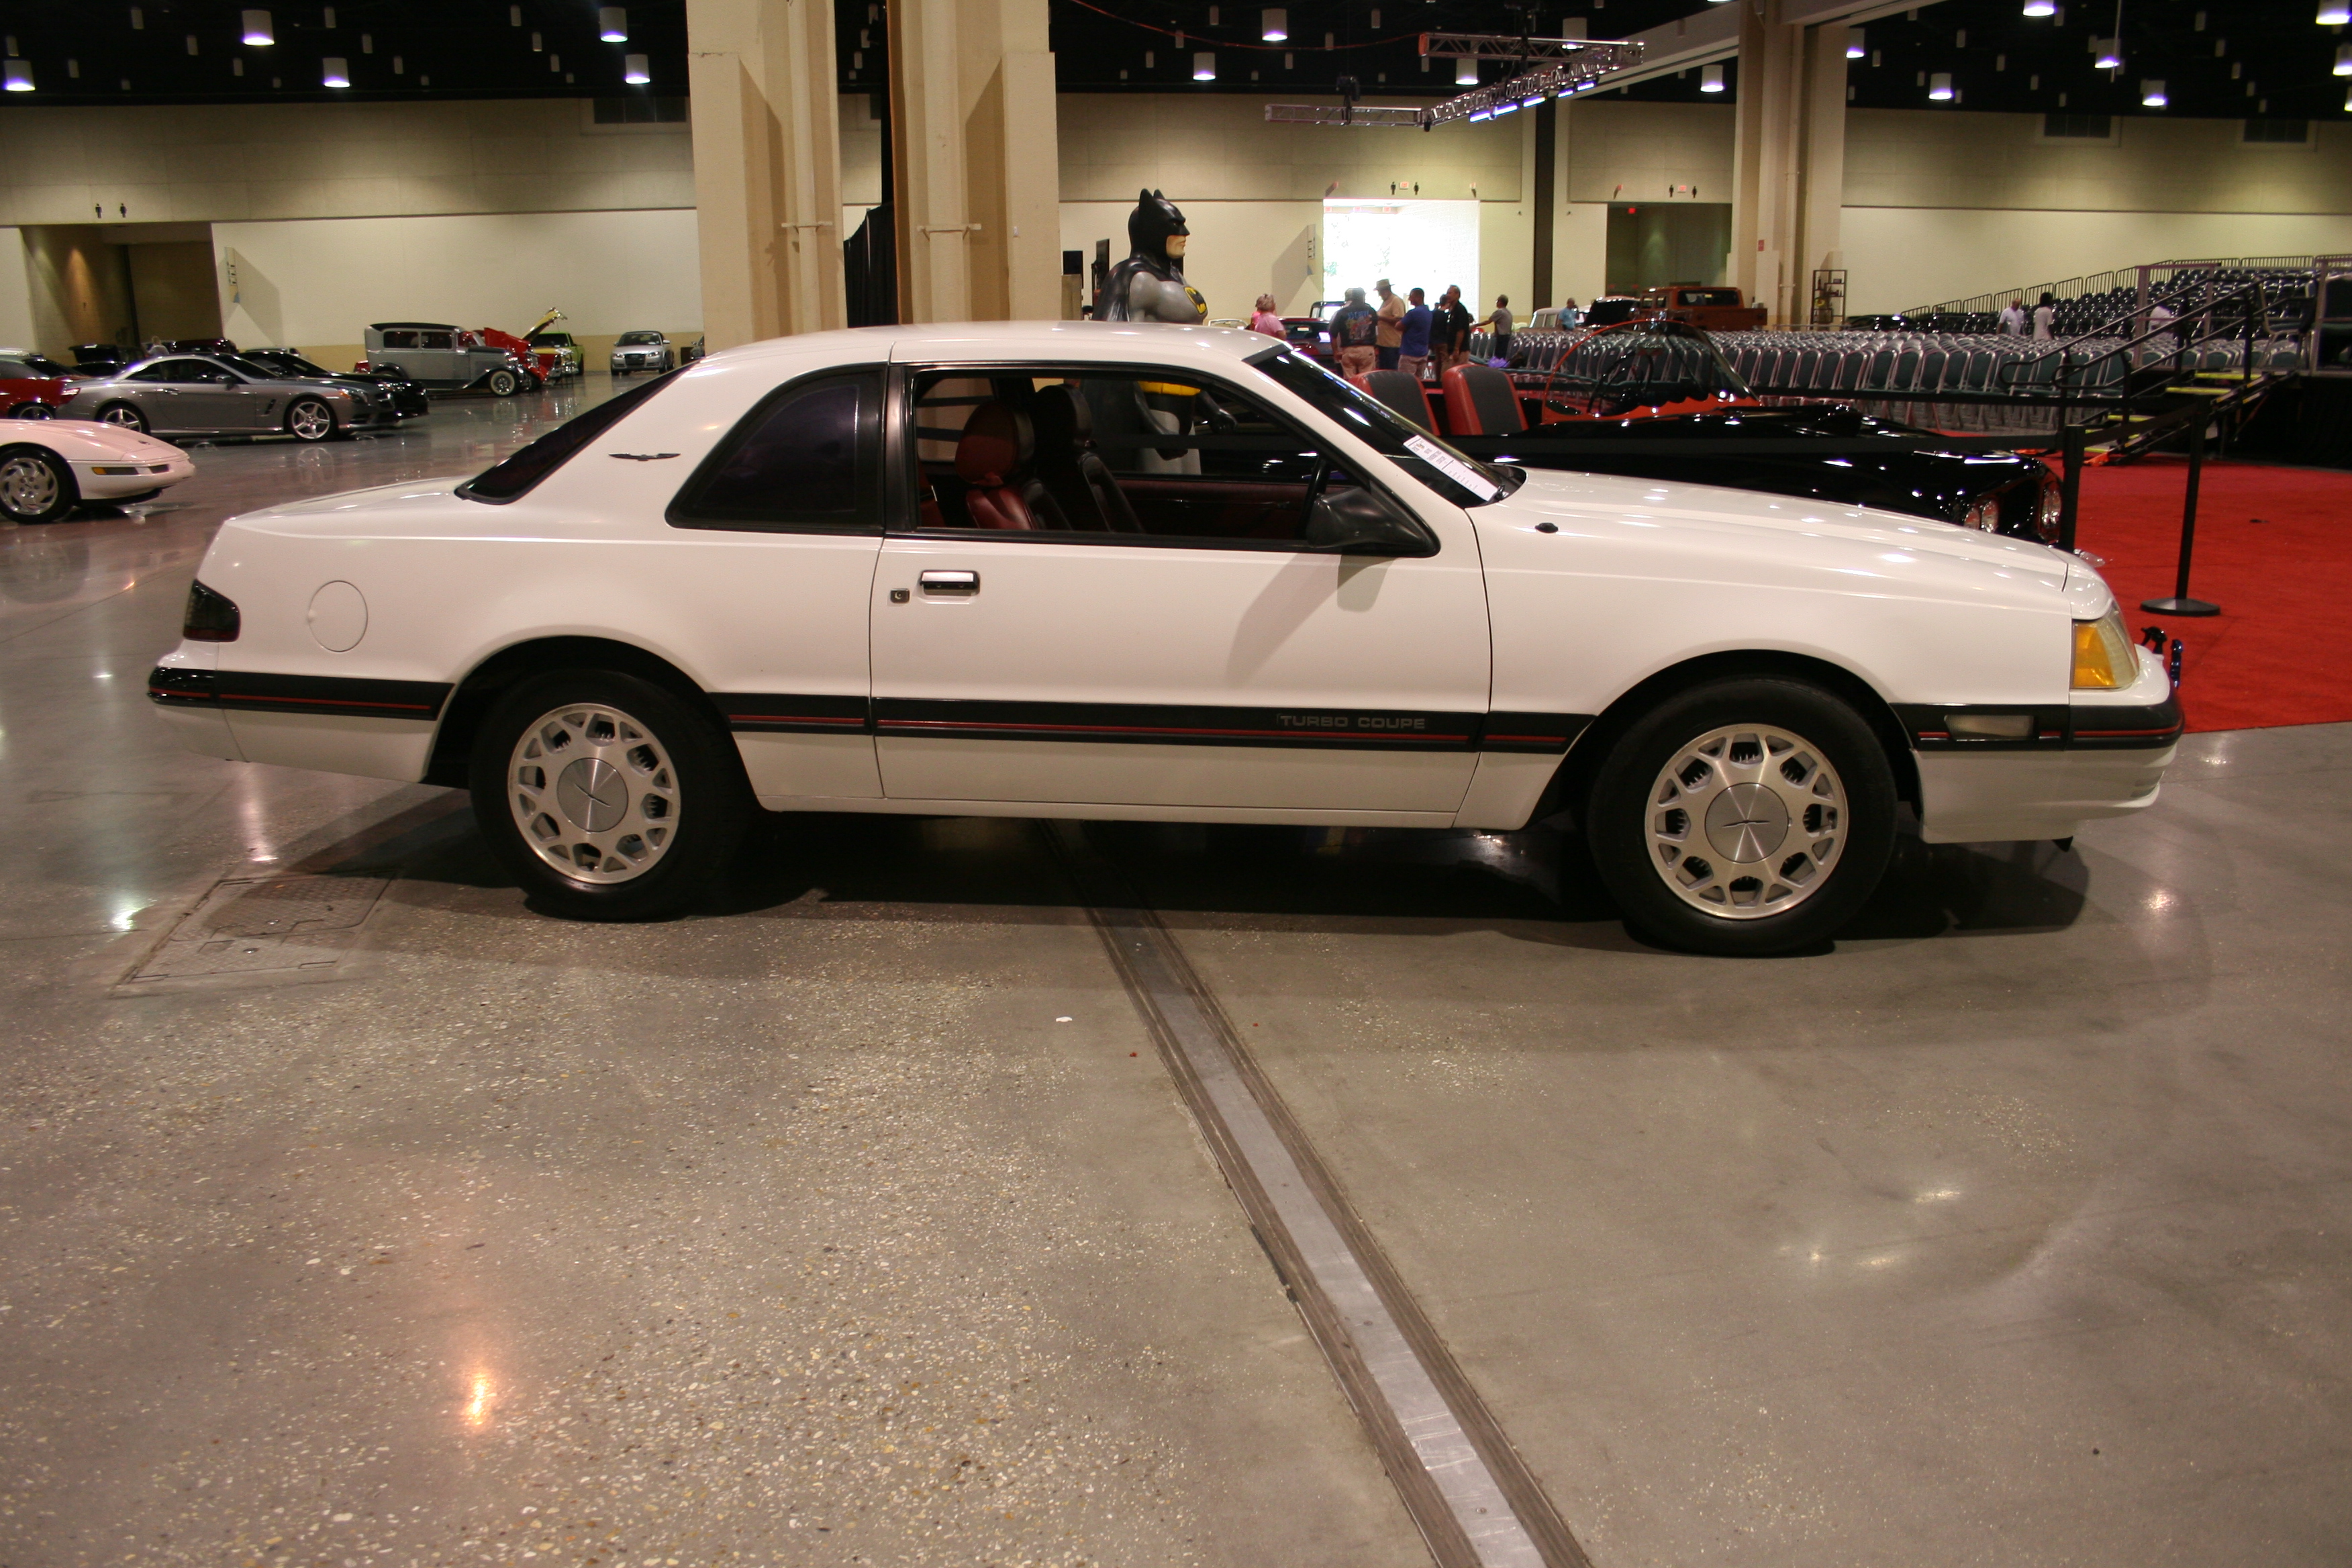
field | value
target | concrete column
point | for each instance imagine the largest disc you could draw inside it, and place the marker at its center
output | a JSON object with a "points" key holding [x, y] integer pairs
{"points": [[767, 167], [1823, 215], [1789, 156], [976, 144]]}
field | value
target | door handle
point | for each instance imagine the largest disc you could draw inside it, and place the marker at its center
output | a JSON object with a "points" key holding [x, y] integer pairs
{"points": [[936, 582]]}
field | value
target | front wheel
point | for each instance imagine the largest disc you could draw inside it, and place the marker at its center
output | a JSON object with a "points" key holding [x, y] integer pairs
{"points": [[310, 420], [503, 384], [36, 485], [1744, 817], [607, 797]]}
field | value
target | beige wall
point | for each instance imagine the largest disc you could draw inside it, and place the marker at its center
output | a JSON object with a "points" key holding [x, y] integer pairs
{"points": [[1220, 148], [315, 285], [16, 327], [1904, 158], [1624, 151], [1899, 259], [223, 162]]}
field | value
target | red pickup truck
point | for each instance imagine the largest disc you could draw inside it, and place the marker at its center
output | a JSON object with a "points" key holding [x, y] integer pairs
{"points": [[1713, 309]]}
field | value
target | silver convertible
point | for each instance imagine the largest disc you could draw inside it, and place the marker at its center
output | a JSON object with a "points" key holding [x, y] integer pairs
{"points": [[225, 395]]}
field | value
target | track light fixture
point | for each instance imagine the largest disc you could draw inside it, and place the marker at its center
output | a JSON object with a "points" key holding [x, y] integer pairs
{"points": [[257, 30], [1710, 79], [2151, 92], [1274, 26], [1855, 47], [1939, 87], [16, 76], [613, 23], [335, 71], [1204, 66], [633, 71], [2334, 13]]}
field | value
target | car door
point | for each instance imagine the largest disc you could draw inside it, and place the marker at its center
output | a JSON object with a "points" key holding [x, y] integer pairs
{"points": [[1150, 631], [786, 516], [170, 393], [214, 398]]}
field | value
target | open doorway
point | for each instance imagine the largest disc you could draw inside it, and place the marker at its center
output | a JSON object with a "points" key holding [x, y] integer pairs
{"points": [[1651, 243], [120, 284]]}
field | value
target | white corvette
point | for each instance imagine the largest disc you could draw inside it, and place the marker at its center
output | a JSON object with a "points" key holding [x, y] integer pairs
{"points": [[49, 467], [1107, 570]]}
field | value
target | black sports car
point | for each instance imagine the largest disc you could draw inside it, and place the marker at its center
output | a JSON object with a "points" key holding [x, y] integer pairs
{"points": [[408, 399], [1655, 399]]}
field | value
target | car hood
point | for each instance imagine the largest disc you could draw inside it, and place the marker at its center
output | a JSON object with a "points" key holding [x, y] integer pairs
{"points": [[1784, 538], [89, 441]]}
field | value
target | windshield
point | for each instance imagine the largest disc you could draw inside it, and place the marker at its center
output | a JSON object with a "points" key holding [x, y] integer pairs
{"points": [[35, 366], [641, 337], [1615, 370], [294, 363], [244, 366], [1460, 479]]}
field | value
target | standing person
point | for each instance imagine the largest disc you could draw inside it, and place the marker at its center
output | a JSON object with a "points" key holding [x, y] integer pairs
{"points": [[1392, 312], [1265, 321], [1500, 323], [2045, 317], [1568, 314], [1412, 338], [1452, 328], [2012, 321], [1354, 327]]}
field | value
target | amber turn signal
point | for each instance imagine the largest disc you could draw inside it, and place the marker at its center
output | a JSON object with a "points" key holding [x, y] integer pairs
{"points": [[2104, 659]]}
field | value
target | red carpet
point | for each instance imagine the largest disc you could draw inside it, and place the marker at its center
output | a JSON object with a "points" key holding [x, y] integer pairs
{"points": [[2274, 654]]}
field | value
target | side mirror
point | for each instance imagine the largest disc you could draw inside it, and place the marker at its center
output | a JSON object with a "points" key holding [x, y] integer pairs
{"points": [[1362, 521]]}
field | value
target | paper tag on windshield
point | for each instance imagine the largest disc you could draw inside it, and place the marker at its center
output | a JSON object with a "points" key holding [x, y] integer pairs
{"points": [[1452, 467]]}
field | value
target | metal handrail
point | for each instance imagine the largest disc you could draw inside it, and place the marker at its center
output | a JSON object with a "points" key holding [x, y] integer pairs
{"points": [[2179, 330]]}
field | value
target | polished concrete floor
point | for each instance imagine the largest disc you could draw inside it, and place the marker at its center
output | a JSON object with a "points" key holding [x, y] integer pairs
{"points": [[854, 1219]]}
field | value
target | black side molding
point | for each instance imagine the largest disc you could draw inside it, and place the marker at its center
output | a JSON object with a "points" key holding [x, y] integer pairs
{"points": [[340, 695]]}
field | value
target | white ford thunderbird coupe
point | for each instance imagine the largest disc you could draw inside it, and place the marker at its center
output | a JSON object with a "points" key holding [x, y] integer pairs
{"points": [[1103, 570]]}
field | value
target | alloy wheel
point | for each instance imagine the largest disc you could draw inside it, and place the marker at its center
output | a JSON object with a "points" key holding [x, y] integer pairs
{"points": [[125, 415], [310, 420], [595, 793], [1746, 821], [28, 486]]}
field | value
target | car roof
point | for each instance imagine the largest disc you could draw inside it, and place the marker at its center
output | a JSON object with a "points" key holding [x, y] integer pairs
{"points": [[422, 326], [995, 339]]}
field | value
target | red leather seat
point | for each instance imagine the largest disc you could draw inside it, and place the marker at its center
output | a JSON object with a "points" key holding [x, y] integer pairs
{"points": [[993, 459], [1481, 401], [1401, 392]]}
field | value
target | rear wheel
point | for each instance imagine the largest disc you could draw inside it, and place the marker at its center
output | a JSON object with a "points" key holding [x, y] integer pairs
{"points": [[32, 411], [1744, 817], [36, 485], [125, 415], [606, 796], [310, 420]]}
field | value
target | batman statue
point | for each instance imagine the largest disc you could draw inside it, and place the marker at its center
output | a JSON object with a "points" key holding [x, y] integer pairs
{"points": [[1149, 286]]}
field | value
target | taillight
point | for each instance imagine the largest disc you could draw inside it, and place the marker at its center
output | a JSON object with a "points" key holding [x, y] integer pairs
{"points": [[212, 618]]}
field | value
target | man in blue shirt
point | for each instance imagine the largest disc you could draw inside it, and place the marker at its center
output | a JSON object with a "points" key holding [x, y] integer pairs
{"points": [[1355, 329], [1412, 348]]}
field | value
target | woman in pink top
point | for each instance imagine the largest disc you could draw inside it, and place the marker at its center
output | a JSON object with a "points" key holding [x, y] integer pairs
{"points": [[1265, 320]]}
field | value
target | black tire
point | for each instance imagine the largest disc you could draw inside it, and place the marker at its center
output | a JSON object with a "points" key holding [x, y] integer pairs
{"points": [[1702, 897], [32, 411], [128, 415], [667, 754], [502, 383], [36, 485], [310, 419]]}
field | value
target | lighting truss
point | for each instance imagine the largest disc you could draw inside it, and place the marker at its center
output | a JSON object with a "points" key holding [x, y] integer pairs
{"points": [[1556, 68]]}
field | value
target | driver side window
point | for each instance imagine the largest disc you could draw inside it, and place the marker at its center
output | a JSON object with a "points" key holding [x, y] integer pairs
{"points": [[1100, 454]]}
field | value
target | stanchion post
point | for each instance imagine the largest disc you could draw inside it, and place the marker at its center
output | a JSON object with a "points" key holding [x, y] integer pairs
{"points": [[2070, 485], [2180, 604]]}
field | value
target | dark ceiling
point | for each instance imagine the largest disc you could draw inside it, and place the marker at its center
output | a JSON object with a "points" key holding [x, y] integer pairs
{"points": [[2257, 58]]}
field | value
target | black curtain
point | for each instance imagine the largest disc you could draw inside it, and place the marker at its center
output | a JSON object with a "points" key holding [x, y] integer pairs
{"points": [[869, 264]]}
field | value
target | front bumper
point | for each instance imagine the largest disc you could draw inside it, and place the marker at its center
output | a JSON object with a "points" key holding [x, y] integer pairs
{"points": [[95, 486], [2101, 755]]}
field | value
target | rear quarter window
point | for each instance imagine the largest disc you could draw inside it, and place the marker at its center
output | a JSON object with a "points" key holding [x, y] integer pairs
{"points": [[515, 476], [807, 456]]}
